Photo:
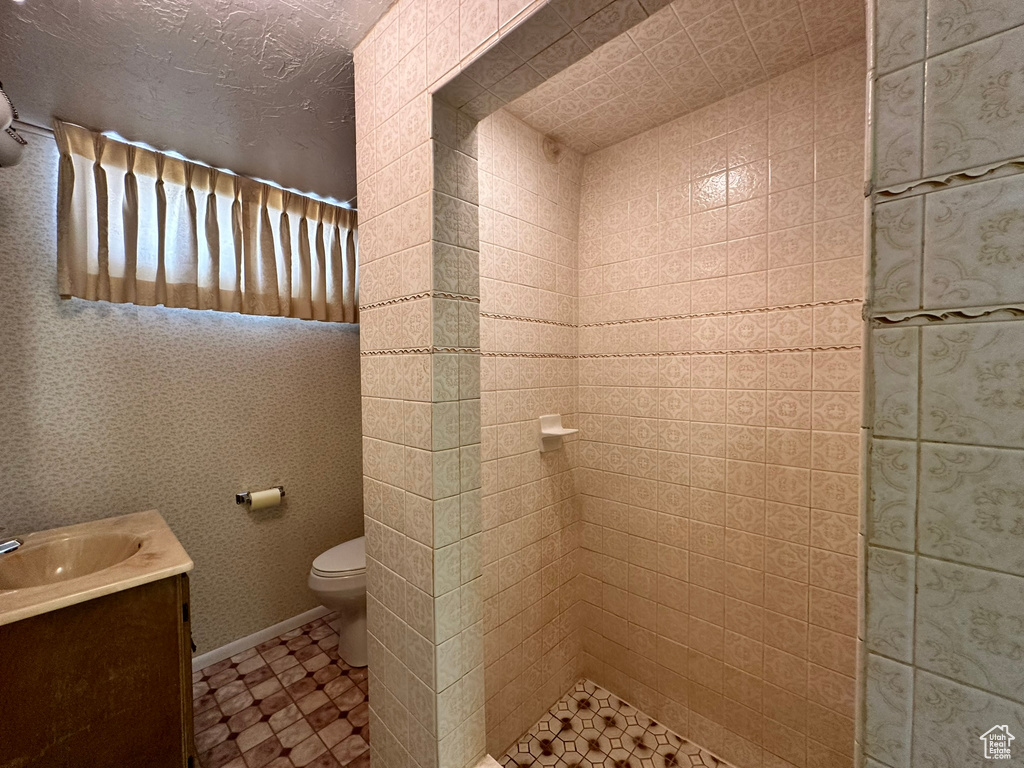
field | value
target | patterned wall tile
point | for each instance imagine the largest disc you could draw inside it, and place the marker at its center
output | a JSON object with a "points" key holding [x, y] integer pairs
{"points": [[890, 603], [896, 359], [972, 112], [967, 625], [899, 34], [949, 250], [520, 279], [892, 518], [889, 705], [969, 508], [970, 388], [682, 58], [971, 256], [952, 24], [626, 274], [751, 442], [949, 718], [897, 254], [899, 102]]}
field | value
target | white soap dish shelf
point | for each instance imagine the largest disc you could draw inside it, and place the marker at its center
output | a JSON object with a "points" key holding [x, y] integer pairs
{"points": [[552, 432]]}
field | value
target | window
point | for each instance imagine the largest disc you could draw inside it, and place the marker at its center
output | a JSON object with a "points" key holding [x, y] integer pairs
{"points": [[141, 227]]}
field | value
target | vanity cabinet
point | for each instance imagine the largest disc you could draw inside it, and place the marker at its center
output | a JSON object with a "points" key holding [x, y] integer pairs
{"points": [[105, 683]]}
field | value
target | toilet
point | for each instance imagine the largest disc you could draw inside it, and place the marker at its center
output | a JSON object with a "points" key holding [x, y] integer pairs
{"points": [[338, 579]]}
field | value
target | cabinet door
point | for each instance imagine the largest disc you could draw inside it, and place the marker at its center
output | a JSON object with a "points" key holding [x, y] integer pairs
{"points": [[99, 684]]}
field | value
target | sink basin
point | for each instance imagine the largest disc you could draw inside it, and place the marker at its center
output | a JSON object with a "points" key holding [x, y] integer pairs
{"points": [[65, 558], [60, 567]]}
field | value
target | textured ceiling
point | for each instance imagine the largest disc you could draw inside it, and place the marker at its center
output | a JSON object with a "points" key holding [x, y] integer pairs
{"points": [[260, 87], [689, 54]]}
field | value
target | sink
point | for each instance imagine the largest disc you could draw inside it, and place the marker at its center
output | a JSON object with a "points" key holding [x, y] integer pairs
{"points": [[60, 567], [65, 558]]}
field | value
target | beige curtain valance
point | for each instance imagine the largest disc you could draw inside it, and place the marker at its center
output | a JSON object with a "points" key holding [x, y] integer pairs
{"points": [[137, 226]]}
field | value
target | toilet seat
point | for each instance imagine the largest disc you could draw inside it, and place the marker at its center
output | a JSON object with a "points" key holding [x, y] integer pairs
{"points": [[347, 559]]}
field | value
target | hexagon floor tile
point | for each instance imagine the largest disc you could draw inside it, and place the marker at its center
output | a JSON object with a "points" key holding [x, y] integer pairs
{"points": [[590, 727]]}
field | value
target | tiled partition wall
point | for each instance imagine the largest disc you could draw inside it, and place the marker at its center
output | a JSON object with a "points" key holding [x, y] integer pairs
{"points": [[721, 271], [529, 205], [421, 430], [419, 277], [945, 557]]}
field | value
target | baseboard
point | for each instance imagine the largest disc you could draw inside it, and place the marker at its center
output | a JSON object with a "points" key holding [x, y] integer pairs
{"points": [[251, 641]]}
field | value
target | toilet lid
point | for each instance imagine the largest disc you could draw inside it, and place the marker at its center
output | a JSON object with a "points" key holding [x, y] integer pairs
{"points": [[344, 558]]}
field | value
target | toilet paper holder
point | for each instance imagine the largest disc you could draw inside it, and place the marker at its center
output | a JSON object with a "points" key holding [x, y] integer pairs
{"points": [[246, 497]]}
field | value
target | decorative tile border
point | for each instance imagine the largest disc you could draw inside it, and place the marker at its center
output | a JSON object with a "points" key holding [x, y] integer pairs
{"points": [[926, 317], [590, 727], [725, 313], [419, 351], [290, 702], [396, 300], [521, 318], [971, 175], [693, 353], [421, 295], [531, 355], [705, 352]]}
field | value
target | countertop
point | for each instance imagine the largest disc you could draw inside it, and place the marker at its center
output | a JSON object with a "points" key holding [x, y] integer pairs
{"points": [[159, 556]]}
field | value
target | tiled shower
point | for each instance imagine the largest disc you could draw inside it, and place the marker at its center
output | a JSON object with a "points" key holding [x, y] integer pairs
{"points": [[677, 266], [701, 558], [686, 290], [530, 502]]}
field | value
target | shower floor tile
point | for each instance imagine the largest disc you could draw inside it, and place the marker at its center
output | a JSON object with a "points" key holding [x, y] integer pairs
{"points": [[290, 702], [590, 727]]}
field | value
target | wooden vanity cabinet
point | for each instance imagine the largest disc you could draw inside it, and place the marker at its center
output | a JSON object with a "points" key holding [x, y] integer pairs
{"points": [[106, 683]]}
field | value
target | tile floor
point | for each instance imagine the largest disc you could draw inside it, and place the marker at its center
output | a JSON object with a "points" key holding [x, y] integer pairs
{"points": [[287, 703], [591, 728]]}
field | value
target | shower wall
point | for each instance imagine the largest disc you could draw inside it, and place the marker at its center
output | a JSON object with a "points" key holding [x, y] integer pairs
{"points": [[945, 562], [720, 289], [529, 207], [435, 578]]}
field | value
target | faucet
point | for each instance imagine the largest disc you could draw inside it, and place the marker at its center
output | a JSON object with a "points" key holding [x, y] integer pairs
{"points": [[9, 546]]}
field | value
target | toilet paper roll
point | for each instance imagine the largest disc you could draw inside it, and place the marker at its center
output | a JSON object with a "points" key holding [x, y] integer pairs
{"points": [[265, 499]]}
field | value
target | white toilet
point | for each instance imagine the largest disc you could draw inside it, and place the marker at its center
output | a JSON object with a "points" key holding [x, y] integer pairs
{"points": [[338, 578]]}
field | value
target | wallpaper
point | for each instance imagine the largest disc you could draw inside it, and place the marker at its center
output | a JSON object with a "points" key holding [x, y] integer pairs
{"points": [[945, 577], [109, 409]]}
